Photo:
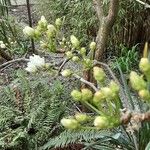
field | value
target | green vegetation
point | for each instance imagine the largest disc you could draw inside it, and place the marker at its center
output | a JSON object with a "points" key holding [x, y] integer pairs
{"points": [[66, 95]]}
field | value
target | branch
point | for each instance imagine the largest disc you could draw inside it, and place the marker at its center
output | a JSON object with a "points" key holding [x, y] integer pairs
{"points": [[113, 10], [143, 3], [138, 117], [13, 61], [86, 82], [99, 8], [62, 65]]}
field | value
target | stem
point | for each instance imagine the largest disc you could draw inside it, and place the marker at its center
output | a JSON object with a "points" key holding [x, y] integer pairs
{"points": [[93, 108], [86, 82], [62, 65], [30, 23], [13, 61], [91, 128]]}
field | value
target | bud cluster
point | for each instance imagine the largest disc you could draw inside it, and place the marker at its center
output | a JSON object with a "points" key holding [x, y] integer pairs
{"points": [[50, 39], [80, 120], [46, 32], [140, 84], [105, 102], [79, 54]]}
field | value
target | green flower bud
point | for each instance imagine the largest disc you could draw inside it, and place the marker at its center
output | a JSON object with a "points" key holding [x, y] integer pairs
{"points": [[144, 94], [86, 94], [75, 42], [37, 33], [58, 22], [137, 82], [66, 73], [144, 65], [51, 32], [114, 87], [75, 58], [83, 51], [69, 123], [107, 92], [80, 117], [43, 22], [101, 122], [93, 46], [76, 95], [98, 97], [28, 31], [88, 63], [99, 74], [69, 54]]}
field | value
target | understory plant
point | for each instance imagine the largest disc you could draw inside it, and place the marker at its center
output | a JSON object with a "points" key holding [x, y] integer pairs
{"points": [[30, 111], [80, 16], [13, 42], [127, 59], [116, 118]]}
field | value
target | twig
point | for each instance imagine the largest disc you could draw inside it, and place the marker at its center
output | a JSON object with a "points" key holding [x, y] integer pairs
{"points": [[85, 81], [143, 3], [13, 61], [62, 65]]}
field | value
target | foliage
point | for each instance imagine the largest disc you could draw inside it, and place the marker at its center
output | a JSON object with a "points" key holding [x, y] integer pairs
{"points": [[81, 20], [79, 16], [10, 31], [127, 59], [4, 5], [30, 111], [132, 136], [104, 103]]}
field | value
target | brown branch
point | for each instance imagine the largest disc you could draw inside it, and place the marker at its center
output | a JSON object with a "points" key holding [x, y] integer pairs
{"points": [[113, 10], [13, 61], [62, 65], [98, 4], [138, 117]]}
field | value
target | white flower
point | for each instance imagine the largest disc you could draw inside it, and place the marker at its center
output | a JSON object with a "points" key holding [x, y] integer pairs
{"points": [[31, 67], [1, 42], [37, 61], [28, 31], [2, 45]]}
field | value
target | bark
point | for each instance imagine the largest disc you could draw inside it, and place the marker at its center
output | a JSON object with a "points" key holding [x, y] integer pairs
{"points": [[106, 24], [105, 27], [5, 55]]}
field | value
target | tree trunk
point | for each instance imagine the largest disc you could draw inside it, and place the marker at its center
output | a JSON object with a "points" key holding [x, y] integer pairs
{"points": [[106, 24]]}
